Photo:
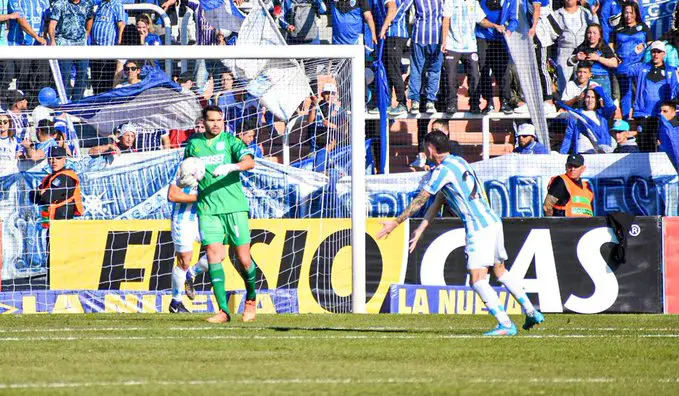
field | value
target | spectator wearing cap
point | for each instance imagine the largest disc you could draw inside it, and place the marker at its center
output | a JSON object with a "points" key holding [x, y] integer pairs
{"points": [[669, 130], [460, 18], [595, 50], [63, 122], [70, 24], [655, 82], [123, 141], [629, 40], [394, 31], [132, 70], [587, 131], [573, 94], [17, 104], [528, 143], [626, 139], [325, 115], [568, 195], [59, 195], [9, 146], [570, 24], [107, 29]]}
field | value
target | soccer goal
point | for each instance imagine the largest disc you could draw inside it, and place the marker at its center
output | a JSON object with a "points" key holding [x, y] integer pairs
{"points": [[307, 197]]}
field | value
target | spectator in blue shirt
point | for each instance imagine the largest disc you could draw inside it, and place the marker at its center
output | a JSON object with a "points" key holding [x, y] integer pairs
{"points": [[629, 40], [5, 66], [528, 143], [611, 13], [145, 29], [426, 58], [30, 74], [248, 135], [394, 31], [347, 21], [108, 27], [595, 50], [493, 51], [655, 82], [669, 131], [70, 24]]}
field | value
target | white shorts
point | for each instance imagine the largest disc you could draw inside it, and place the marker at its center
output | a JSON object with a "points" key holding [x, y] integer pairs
{"points": [[486, 247], [184, 235]]}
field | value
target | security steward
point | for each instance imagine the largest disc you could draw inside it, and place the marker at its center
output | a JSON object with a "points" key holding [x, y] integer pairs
{"points": [[568, 195], [59, 194]]}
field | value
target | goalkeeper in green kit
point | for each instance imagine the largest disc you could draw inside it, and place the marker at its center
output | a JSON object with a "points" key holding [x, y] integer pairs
{"points": [[223, 208]]}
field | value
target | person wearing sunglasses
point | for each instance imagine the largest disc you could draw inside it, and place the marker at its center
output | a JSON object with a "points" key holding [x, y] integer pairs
{"points": [[132, 72]]}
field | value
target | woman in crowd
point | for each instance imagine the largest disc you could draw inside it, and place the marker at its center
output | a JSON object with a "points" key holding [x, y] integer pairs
{"points": [[595, 50], [9, 146], [629, 41], [587, 131], [146, 30]]}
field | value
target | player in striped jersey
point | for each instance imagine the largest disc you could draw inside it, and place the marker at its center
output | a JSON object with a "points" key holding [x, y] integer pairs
{"points": [[454, 180], [185, 233]]}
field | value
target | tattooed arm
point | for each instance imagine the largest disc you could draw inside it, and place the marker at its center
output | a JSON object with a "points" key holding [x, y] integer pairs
{"points": [[550, 201], [415, 205]]}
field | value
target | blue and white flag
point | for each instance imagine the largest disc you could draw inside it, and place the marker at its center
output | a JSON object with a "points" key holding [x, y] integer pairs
{"points": [[223, 14], [156, 102], [280, 84]]}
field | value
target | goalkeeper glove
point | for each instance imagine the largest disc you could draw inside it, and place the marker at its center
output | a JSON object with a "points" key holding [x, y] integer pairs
{"points": [[225, 169]]}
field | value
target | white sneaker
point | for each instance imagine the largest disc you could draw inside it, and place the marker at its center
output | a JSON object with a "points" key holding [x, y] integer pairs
{"points": [[521, 109]]}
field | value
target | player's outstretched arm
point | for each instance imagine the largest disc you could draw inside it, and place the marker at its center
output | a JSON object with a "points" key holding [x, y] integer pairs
{"points": [[415, 205], [428, 218], [176, 194]]}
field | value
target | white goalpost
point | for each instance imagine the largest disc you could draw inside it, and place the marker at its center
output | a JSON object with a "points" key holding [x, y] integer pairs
{"points": [[283, 144]]}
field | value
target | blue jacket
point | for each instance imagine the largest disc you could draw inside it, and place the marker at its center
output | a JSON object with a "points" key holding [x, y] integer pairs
{"points": [[609, 9], [649, 95], [533, 148], [579, 123], [669, 139], [507, 16]]}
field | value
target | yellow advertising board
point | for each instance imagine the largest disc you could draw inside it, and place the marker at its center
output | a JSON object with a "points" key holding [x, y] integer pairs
{"points": [[310, 255]]}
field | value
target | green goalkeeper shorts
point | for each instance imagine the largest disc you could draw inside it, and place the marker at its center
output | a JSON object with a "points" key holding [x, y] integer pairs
{"points": [[229, 228]]}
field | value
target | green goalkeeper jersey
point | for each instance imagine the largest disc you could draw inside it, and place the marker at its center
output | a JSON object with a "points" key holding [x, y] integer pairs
{"points": [[219, 195]]}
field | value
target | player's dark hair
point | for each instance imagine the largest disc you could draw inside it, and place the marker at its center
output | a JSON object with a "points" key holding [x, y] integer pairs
{"points": [[211, 108], [439, 140], [669, 103]]}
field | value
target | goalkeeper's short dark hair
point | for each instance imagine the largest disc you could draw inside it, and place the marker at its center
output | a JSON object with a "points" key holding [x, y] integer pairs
{"points": [[211, 108], [439, 140]]}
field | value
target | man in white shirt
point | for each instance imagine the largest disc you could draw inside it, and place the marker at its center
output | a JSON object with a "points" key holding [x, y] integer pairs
{"points": [[460, 18], [572, 94]]}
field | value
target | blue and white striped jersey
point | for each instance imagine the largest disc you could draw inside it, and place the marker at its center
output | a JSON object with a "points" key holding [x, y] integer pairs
{"points": [[4, 26], [428, 21], [31, 10], [399, 26], [184, 212], [463, 191], [106, 19]]}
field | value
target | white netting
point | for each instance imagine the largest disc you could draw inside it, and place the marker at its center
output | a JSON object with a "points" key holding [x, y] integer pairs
{"points": [[299, 111]]}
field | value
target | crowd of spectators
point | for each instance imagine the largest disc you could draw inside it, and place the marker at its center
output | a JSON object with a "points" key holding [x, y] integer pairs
{"points": [[597, 62]]}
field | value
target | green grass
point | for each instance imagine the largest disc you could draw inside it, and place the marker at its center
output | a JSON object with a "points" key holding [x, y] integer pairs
{"points": [[150, 354]]}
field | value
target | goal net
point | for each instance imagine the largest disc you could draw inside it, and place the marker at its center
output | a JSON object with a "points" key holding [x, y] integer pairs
{"points": [[299, 117]]}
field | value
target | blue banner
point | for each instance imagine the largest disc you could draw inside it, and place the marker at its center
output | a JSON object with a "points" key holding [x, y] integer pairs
{"points": [[447, 300], [116, 301]]}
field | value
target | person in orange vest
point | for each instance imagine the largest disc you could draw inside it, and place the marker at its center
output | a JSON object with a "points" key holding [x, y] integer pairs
{"points": [[59, 193], [568, 195]]}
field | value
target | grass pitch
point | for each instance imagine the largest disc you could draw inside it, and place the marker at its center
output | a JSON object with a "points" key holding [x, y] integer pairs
{"points": [[159, 354]]}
